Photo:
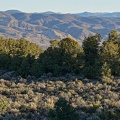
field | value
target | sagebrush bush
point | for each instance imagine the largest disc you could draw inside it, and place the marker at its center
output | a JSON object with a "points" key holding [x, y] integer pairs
{"points": [[3, 105]]}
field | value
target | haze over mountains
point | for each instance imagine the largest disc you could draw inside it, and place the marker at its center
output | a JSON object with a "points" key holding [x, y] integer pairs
{"points": [[40, 28]]}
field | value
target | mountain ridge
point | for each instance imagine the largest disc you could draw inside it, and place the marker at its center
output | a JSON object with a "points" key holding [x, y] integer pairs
{"points": [[99, 14], [40, 28], [82, 14]]}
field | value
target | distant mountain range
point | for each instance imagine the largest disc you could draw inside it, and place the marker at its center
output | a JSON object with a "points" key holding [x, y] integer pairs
{"points": [[104, 14], [13, 11], [83, 14], [40, 28]]}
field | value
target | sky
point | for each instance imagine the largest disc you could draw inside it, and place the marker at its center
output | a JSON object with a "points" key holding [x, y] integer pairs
{"points": [[62, 6]]}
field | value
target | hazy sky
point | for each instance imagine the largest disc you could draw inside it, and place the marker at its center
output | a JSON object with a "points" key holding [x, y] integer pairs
{"points": [[63, 6]]}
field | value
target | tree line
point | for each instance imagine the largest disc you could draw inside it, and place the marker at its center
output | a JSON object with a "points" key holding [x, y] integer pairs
{"points": [[93, 59]]}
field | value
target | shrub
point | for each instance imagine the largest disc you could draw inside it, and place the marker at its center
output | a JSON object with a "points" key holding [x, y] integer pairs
{"points": [[63, 111], [3, 105], [106, 71], [110, 115]]}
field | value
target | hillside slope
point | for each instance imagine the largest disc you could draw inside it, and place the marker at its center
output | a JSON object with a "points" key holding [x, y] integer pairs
{"points": [[40, 28]]}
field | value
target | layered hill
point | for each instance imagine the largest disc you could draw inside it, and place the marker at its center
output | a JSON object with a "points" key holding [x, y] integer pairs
{"points": [[40, 28]]}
